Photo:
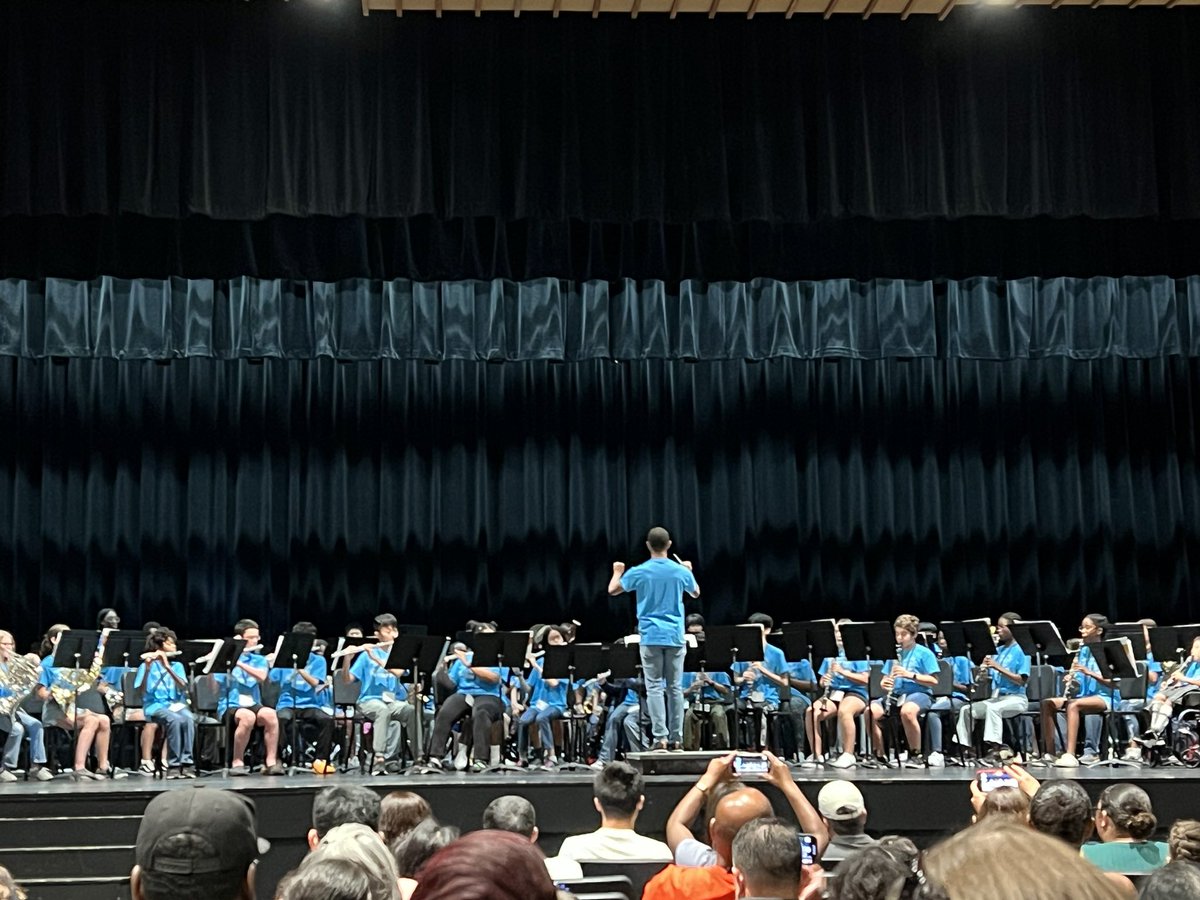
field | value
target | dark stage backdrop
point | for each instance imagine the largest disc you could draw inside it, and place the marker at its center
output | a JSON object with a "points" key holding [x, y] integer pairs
{"points": [[201, 490]]}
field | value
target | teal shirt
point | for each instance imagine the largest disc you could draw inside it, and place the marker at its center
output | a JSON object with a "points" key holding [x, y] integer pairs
{"points": [[1127, 858]]}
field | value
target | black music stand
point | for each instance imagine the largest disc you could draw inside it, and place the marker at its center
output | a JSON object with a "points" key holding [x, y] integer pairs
{"points": [[1172, 643], [419, 653], [1133, 631], [213, 657], [1113, 662], [1040, 640], [727, 645], [503, 650], [120, 646], [874, 642], [972, 639], [625, 661]]}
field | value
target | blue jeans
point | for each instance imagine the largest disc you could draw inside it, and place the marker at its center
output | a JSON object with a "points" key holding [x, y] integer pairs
{"points": [[663, 669], [180, 729], [24, 724], [612, 730], [934, 719], [544, 719]]}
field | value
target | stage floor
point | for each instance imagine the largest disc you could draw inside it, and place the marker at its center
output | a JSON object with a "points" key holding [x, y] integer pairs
{"points": [[67, 840]]}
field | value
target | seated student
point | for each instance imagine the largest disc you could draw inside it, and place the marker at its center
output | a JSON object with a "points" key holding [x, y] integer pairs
{"points": [[241, 700], [802, 682], [1008, 672], [547, 704], [304, 697], [623, 701], [164, 687], [1183, 680], [478, 692], [844, 683], [80, 711], [516, 815], [909, 682], [712, 692], [1092, 694], [1125, 823], [618, 797], [383, 698], [21, 725], [1133, 705], [758, 682], [961, 680]]}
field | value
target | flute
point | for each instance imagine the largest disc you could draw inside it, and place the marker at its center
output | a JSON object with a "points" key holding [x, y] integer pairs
{"points": [[358, 648]]}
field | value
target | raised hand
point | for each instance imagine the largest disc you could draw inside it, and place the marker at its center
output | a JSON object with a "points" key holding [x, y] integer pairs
{"points": [[618, 568], [686, 563]]}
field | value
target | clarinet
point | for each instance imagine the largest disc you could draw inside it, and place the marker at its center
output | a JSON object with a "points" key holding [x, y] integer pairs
{"points": [[889, 702]]}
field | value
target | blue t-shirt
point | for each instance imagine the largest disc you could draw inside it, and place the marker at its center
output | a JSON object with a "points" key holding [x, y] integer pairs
{"points": [[470, 685], [962, 670], [295, 692], [554, 697], [1152, 665], [708, 693], [775, 661], [840, 682], [660, 585], [1088, 686], [159, 689], [240, 689], [919, 660], [52, 677], [374, 680], [1013, 659]]}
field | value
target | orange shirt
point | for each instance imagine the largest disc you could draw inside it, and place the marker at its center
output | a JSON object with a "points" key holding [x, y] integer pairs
{"points": [[691, 883]]}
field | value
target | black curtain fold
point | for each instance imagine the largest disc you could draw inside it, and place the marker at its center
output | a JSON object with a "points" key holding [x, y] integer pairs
{"points": [[504, 321], [239, 111], [201, 490]]}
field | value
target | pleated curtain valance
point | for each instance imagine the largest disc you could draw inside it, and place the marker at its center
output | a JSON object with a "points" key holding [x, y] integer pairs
{"points": [[552, 319]]}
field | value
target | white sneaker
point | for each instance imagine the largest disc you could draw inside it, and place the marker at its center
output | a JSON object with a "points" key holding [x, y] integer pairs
{"points": [[845, 761], [41, 773], [1133, 754], [7, 776], [813, 762], [1088, 758], [597, 765], [460, 759], [1067, 761], [936, 760]]}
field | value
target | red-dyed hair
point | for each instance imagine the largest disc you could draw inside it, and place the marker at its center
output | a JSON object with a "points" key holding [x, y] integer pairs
{"points": [[486, 865]]}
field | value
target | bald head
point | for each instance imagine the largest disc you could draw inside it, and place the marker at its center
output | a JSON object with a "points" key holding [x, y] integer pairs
{"points": [[732, 812]]}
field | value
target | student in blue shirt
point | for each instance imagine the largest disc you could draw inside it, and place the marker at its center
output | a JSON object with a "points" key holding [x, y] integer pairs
{"points": [[1132, 705], [660, 584], [383, 698], [303, 697], [478, 692], [711, 689], [1184, 680], [962, 674], [241, 699], [1009, 671], [802, 681], [547, 703], [1095, 695], [758, 682], [910, 682], [165, 701], [844, 694], [21, 726]]}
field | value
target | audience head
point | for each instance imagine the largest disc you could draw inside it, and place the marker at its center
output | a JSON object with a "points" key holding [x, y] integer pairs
{"points": [[486, 865], [1004, 802], [1124, 812], [730, 813], [400, 812], [658, 540], [513, 814], [196, 844], [978, 864], [1174, 881], [873, 873], [1184, 840], [841, 805], [411, 850], [107, 618], [618, 791], [9, 889], [360, 845], [332, 879], [1063, 810], [342, 804], [766, 859]]}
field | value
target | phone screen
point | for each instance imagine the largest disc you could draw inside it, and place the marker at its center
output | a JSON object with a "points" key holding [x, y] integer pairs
{"points": [[808, 850], [751, 764], [990, 779]]}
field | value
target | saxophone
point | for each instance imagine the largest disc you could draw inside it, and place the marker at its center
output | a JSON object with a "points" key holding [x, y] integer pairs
{"points": [[19, 676]]}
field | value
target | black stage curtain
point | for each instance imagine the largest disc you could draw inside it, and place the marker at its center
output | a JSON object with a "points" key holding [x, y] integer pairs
{"points": [[421, 248], [240, 110], [504, 321], [200, 490]]}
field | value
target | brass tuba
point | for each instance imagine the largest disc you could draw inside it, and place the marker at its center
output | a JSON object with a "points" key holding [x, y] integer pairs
{"points": [[19, 676], [79, 680]]}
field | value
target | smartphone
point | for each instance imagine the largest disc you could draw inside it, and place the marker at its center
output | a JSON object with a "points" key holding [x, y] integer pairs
{"points": [[808, 850], [990, 779], [751, 764]]}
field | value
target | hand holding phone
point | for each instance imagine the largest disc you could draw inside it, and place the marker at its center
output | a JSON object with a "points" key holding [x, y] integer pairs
{"points": [[751, 764], [990, 779], [808, 850]]}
